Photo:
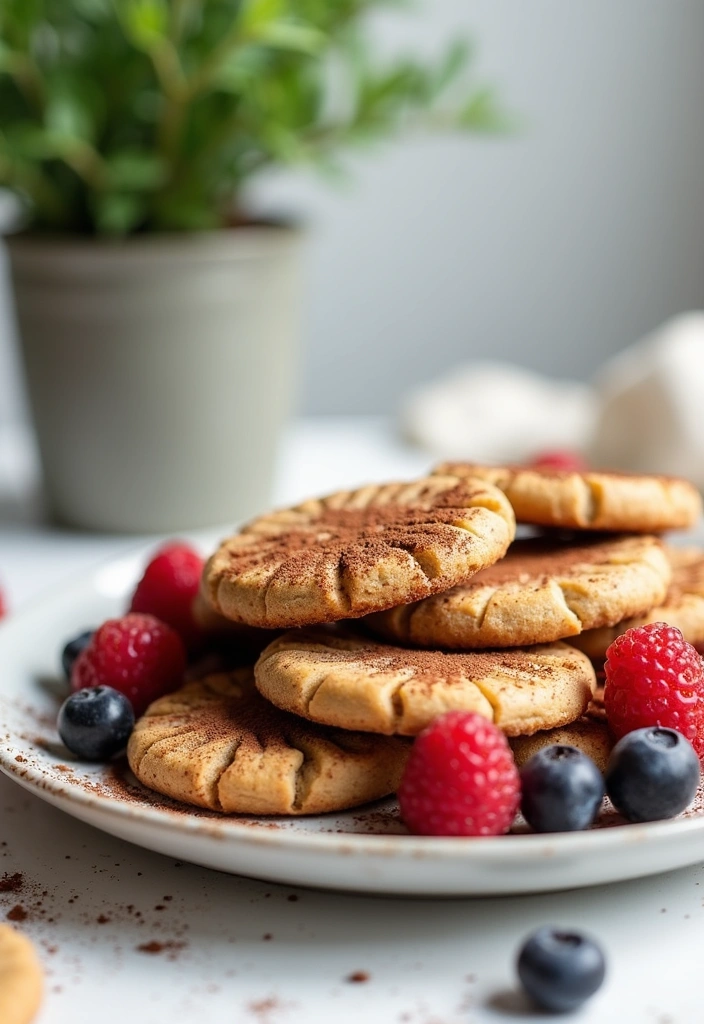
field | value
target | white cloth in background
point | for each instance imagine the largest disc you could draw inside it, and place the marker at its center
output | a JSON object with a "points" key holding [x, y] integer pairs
{"points": [[497, 412], [644, 413], [651, 404]]}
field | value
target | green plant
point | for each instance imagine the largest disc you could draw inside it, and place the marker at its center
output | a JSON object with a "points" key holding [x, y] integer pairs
{"points": [[120, 116]]}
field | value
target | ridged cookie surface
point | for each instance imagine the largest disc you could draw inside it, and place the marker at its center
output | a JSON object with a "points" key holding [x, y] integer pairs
{"points": [[21, 978], [541, 591], [590, 500], [216, 743], [360, 551], [347, 680], [683, 606]]}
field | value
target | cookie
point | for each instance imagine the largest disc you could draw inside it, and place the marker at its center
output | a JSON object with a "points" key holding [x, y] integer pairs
{"points": [[543, 590], [21, 979], [590, 735], [683, 607], [357, 552], [590, 500], [216, 743], [347, 680]]}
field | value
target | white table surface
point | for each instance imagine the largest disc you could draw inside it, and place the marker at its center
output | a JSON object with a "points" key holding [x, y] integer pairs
{"points": [[238, 951]]}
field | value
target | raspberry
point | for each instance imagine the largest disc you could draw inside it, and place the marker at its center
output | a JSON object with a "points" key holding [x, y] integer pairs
{"points": [[654, 677], [137, 655], [168, 588], [460, 779], [560, 459]]}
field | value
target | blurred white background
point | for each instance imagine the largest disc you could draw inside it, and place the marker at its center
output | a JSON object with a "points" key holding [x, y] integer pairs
{"points": [[554, 247]]}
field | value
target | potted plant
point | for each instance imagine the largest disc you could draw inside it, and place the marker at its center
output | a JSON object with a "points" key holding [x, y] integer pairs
{"points": [[158, 325]]}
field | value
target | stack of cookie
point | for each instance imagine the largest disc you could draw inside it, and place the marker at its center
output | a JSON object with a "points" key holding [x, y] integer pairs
{"points": [[402, 601]]}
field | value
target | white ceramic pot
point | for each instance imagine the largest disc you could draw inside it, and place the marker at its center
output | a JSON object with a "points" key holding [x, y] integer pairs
{"points": [[160, 372]]}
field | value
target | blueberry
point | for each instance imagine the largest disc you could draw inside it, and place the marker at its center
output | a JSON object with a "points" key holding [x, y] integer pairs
{"points": [[95, 723], [73, 648], [562, 790], [560, 970], [652, 774]]}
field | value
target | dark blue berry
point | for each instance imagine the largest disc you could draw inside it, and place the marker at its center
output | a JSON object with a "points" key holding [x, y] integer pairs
{"points": [[652, 774], [95, 723], [559, 969], [72, 649], [562, 790]]}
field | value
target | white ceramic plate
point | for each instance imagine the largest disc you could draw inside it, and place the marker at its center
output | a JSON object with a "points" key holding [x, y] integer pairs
{"points": [[365, 851]]}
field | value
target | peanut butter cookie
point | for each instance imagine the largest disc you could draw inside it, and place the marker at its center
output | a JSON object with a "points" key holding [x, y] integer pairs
{"points": [[543, 590], [590, 500], [357, 552], [21, 978], [343, 679], [216, 743], [683, 607], [590, 735]]}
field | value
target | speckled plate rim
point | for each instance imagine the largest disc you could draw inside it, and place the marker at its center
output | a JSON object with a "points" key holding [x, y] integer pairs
{"points": [[502, 847], [112, 581]]}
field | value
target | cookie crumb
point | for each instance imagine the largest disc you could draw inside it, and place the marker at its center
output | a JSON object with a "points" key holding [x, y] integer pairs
{"points": [[357, 977]]}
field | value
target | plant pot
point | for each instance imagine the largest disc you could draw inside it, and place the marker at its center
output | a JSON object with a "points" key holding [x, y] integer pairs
{"points": [[159, 371]]}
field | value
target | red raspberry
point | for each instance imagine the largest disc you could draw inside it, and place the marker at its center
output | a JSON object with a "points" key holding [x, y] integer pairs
{"points": [[560, 459], [460, 779], [168, 588], [137, 655], [654, 677]]}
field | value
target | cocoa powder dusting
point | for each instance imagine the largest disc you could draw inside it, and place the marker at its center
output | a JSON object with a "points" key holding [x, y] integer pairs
{"points": [[154, 948], [11, 883], [537, 559], [18, 913], [350, 649], [335, 542], [263, 1008], [357, 977]]}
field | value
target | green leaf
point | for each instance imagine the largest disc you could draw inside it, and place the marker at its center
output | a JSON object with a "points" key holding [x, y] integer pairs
{"points": [[287, 35], [117, 214], [452, 65], [483, 114], [65, 117], [135, 115], [96, 10], [24, 16], [146, 21], [7, 57], [187, 214], [287, 146], [258, 13], [135, 170], [74, 105], [29, 142]]}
